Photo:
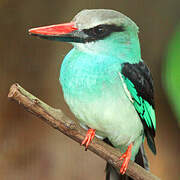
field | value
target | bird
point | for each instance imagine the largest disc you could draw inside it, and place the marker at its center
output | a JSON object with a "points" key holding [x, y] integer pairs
{"points": [[106, 83]]}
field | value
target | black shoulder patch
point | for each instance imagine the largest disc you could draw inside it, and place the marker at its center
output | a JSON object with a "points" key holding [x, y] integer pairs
{"points": [[140, 76]]}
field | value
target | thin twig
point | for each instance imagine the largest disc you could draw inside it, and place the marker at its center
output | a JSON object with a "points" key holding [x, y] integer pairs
{"points": [[58, 120]]}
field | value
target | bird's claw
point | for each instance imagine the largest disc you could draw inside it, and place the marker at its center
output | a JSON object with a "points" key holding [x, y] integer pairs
{"points": [[126, 158], [89, 137]]}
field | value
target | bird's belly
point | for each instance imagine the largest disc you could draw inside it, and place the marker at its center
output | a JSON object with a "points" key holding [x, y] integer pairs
{"points": [[111, 114]]}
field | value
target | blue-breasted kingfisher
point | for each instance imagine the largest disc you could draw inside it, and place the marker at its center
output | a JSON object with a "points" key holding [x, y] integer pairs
{"points": [[106, 83]]}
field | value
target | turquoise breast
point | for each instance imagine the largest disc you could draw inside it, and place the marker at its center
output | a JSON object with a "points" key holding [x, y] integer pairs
{"points": [[88, 75]]}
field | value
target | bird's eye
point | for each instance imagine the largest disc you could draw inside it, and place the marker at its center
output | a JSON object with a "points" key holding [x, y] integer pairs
{"points": [[102, 31], [99, 30]]}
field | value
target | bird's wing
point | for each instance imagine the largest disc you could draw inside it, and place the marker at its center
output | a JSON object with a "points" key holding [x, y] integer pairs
{"points": [[138, 84]]}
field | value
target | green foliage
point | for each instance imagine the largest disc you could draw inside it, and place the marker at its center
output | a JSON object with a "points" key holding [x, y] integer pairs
{"points": [[172, 73]]}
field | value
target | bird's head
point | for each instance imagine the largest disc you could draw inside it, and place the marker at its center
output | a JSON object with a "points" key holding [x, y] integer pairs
{"points": [[97, 31]]}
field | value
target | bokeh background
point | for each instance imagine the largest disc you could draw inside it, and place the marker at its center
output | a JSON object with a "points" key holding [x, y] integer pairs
{"points": [[29, 148]]}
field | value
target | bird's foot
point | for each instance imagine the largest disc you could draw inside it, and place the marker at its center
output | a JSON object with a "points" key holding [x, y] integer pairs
{"points": [[89, 137], [126, 158]]}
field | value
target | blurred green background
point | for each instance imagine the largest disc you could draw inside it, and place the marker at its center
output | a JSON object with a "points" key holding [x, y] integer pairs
{"points": [[30, 149]]}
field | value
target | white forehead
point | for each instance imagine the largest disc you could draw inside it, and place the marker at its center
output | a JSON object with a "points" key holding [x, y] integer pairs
{"points": [[89, 18]]}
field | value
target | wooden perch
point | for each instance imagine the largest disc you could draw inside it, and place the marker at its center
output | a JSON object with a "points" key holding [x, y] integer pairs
{"points": [[58, 120]]}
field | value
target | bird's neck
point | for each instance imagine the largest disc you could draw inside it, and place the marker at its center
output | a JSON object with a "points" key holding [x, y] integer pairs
{"points": [[126, 50]]}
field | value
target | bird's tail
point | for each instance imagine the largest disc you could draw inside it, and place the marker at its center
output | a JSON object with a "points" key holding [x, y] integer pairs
{"points": [[141, 159]]}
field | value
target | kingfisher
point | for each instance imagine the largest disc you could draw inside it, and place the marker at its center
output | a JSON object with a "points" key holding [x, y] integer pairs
{"points": [[106, 84]]}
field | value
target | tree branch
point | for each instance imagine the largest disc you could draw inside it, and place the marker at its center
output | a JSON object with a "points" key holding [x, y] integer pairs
{"points": [[58, 120]]}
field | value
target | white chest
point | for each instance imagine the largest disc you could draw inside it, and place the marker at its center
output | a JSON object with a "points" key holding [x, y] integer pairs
{"points": [[112, 115]]}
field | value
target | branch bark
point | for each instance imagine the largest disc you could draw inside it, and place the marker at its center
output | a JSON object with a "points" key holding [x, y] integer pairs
{"points": [[58, 120]]}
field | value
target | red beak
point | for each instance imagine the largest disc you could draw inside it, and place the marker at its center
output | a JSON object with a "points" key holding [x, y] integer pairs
{"points": [[59, 29]]}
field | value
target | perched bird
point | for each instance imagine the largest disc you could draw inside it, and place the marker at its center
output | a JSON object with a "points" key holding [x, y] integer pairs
{"points": [[106, 83]]}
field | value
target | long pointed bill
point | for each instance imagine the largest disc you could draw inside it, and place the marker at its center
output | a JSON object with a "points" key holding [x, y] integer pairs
{"points": [[61, 32], [57, 29]]}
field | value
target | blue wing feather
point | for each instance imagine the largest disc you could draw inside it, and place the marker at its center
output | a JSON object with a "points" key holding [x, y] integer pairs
{"points": [[145, 110]]}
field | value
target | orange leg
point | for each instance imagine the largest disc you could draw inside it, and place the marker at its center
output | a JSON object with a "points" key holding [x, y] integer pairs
{"points": [[89, 137], [126, 158]]}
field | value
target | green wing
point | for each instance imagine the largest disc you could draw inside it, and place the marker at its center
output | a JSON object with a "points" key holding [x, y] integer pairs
{"points": [[144, 109], [138, 81]]}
